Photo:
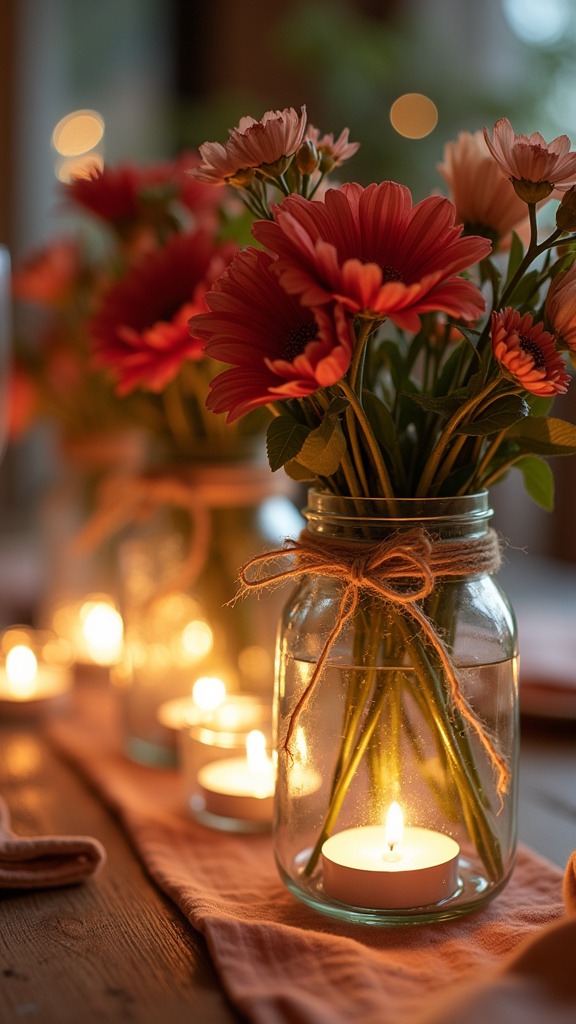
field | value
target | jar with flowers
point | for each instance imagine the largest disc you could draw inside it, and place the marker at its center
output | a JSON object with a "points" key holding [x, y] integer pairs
{"points": [[410, 354]]}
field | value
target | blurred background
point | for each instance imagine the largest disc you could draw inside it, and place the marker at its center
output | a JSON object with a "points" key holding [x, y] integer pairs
{"points": [[164, 75]]}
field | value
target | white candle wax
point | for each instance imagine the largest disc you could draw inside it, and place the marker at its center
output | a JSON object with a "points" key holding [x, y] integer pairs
{"points": [[360, 868], [231, 790], [240, 787]]}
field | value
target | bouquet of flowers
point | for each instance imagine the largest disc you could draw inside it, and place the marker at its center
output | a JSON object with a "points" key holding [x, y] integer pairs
{"points": [[406, 351], [104, 311]]}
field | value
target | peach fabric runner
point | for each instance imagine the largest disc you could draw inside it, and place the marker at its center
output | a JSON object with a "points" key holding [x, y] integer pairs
{"points": [[280, 962]]}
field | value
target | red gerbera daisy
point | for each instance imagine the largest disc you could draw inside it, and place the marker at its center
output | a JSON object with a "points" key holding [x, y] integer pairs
{"points": [[376, 254], [277, 348], [128, 194], [110, 193], [141, 330], [527, 352]]}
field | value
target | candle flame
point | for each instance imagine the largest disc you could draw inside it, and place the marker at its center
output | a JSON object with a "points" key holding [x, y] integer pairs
{"points": [[103, 631], [208, 693], [258, 760], [21, 668], [394, 830]]}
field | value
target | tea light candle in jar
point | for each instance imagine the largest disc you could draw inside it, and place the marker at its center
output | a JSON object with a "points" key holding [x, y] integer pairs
{"points": [[32, 681], [240, 787], [391, 867]]}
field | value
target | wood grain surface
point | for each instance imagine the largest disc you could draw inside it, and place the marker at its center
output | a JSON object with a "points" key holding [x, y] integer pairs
{"points": [[113, 950], [116, 950]]}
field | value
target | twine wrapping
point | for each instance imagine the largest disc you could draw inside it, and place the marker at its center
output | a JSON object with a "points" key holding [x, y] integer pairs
{"points": [[406, 557], [125, 498]]}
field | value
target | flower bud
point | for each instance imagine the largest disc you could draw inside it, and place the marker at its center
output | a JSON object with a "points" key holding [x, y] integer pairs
{"points": [[307, 159], [566, 212], [327, 162], [532, 191]]}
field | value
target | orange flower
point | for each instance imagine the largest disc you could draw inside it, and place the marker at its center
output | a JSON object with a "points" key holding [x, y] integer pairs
{"points": [[561, 307], [49, 275], [534, 167], [527, 352], [274, 138], [486, 203]]}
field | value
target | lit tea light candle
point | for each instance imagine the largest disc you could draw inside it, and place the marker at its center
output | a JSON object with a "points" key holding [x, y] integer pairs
{"points": [[29, 686], [390, 867], [208, 694], [94, 628], [240, 787]]}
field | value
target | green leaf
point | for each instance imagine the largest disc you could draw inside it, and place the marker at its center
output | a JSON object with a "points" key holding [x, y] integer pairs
{"points": [[469, 333], [284, 440], [538, 481], [501, 414], [381, 421], [324, 447], [540, 405], [515, 258], [337, 407], [544, 435], [452, 367], [296, 471], [444, 405]]}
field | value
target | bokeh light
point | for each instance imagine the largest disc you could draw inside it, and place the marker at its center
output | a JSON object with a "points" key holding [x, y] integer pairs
{"points": [[78, 133], [413, 115]]}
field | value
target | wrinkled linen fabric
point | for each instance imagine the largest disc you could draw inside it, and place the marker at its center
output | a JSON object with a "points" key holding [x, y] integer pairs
{"points": [[45, 862], [280, 962]]}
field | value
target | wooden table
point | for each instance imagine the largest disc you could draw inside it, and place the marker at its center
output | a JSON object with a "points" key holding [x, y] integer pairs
{"points": [[118, 951]]}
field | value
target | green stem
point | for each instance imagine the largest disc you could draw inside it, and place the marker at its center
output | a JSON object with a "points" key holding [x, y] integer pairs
{"points": [[347, 775], [464, 412], [488, 456], [371, 441], [452, 731]]}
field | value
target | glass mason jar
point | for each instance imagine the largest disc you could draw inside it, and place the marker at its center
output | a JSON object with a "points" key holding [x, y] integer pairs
{"points": [[178, 570], [413, 715]]}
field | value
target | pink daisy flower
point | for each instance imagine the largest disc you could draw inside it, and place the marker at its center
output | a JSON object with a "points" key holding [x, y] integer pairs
{"points": [[561, 307], [141, 329], [276, 347], [370, 250], [485, 201], [527, 352], [534, 166], [336, 152], [252, 144]]}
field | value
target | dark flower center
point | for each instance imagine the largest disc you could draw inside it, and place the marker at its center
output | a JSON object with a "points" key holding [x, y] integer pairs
{"points": [[532, 348], [296, 340], [390, 274]]}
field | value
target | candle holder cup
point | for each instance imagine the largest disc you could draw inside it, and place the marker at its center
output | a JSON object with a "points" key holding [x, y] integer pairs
{"points": [[227, 769]]}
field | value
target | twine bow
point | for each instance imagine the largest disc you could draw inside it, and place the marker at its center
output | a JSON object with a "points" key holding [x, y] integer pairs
{"points": [[384, 569]]}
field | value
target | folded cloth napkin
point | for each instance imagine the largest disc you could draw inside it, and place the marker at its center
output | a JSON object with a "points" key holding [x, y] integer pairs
{"points": [[279, 961], [45, 862]]}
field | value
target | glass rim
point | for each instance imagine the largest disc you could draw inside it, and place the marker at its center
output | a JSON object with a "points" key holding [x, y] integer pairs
{"points": [[323, 505]]}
